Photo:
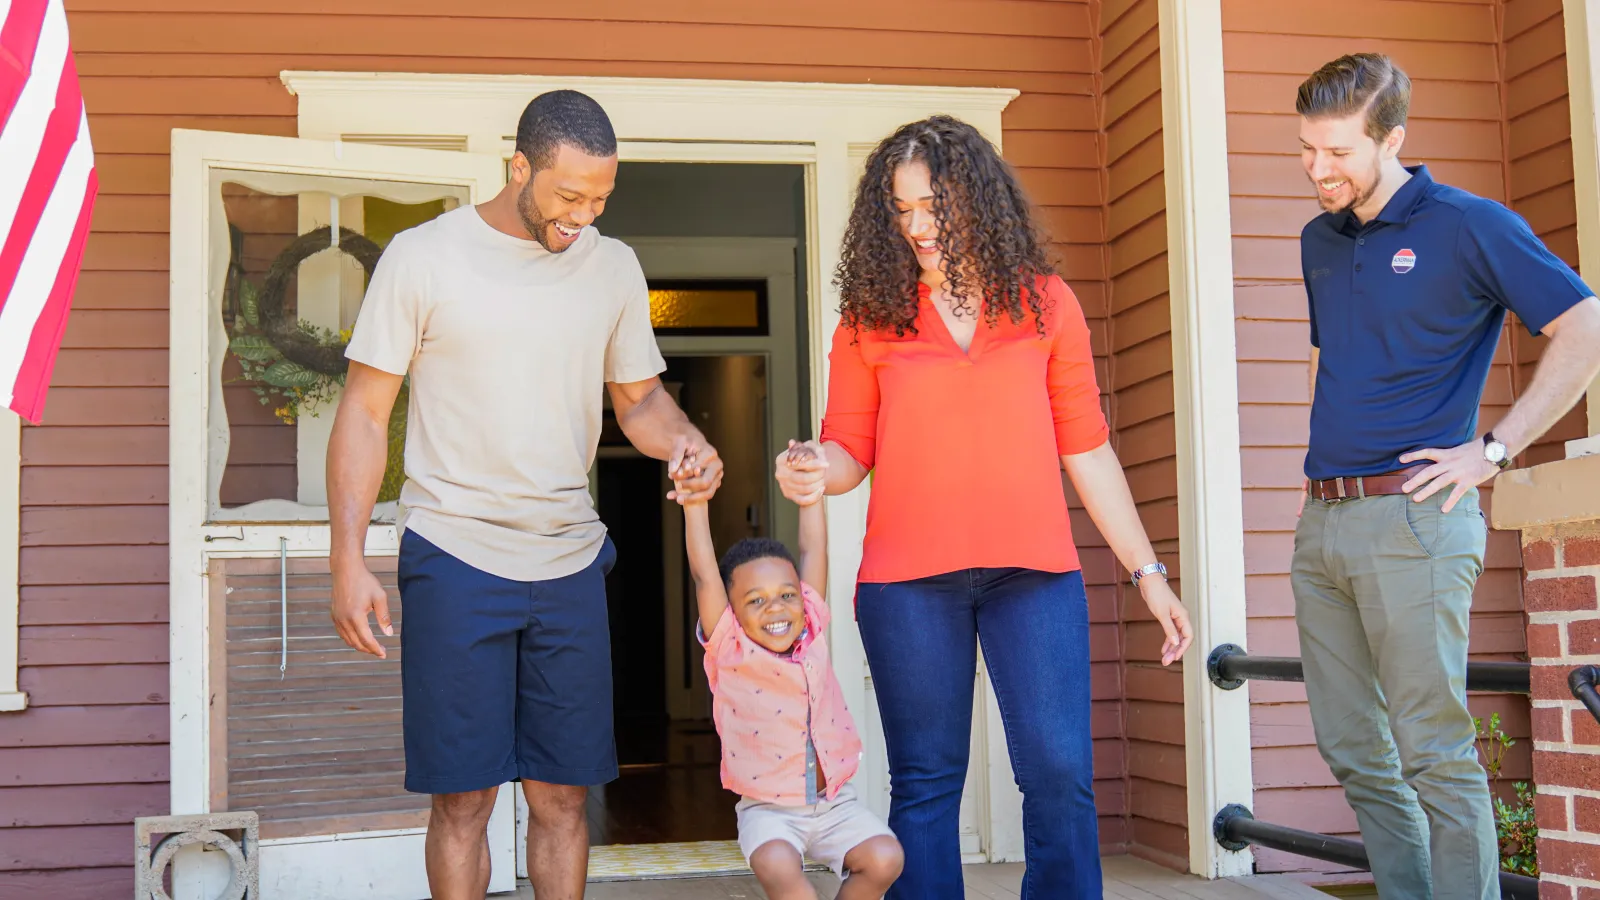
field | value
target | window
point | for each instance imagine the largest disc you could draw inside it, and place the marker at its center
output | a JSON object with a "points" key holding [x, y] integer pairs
{"points": [[293, 262], [708, 307]]}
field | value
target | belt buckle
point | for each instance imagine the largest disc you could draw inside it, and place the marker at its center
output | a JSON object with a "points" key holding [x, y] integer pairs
{"points": [[1342, 495]]}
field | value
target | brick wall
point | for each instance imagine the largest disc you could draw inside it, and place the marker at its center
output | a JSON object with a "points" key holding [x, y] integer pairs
{"points": [[1563, 575]]}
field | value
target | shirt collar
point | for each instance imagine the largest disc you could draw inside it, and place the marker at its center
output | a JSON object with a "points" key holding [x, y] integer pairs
{"points": [[1404, 202]]}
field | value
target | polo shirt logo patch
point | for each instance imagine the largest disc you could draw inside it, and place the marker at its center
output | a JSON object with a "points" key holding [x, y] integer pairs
{"points": [[1403, 262]]}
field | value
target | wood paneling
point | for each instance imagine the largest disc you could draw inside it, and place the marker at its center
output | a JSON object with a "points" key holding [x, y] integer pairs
{"points": [[1462, 125], [95, 482], [1138, 324], [319, 741]]}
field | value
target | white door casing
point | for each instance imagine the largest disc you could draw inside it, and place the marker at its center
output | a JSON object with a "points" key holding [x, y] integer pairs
{"points": [[373, 864], [828, 128], [1206, 407]]}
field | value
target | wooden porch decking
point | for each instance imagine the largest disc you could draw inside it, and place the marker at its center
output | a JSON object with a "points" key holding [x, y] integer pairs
{"points": [[1126, 878]]}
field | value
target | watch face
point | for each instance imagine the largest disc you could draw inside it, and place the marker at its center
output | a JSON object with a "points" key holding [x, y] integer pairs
{"points": [[1494, 451]]}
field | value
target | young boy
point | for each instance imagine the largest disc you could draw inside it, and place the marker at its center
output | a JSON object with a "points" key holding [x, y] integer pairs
{"points": [[789, 747]]}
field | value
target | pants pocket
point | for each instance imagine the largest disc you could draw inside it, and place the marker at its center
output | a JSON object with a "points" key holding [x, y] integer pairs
{"points": [[1436, 534], [1417, 523]]}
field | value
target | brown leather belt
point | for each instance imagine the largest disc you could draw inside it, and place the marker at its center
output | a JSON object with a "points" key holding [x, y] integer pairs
{"points": [[1355, 488]]}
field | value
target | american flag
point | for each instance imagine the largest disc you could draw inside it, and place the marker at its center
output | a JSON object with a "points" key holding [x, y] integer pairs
{"points": [[47, 191]]}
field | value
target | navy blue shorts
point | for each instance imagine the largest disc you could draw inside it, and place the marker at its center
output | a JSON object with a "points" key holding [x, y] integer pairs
{"points": [[503, 680]]}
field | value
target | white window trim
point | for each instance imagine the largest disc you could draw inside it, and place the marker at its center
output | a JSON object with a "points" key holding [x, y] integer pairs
{"points": [[12, 698], [1582, 23], [1205, 384]]}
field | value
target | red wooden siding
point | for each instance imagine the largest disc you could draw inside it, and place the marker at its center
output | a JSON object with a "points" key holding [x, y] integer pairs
{"points": [[1451, 50], [94, 487], [1138, 324]]}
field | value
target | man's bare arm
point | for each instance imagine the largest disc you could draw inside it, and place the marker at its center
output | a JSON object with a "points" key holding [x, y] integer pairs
{"points": [[1565, 370], [655, 426], [357, 455]]}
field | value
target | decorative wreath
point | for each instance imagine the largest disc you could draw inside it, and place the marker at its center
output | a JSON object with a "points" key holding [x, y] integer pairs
{"points": [[291, 361]]}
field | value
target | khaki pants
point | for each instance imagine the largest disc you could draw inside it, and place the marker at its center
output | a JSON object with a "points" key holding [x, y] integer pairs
{"points": [[1383, 588]]}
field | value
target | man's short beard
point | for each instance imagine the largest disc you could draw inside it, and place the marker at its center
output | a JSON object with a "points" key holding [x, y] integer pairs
{"points": [[533, 220], [1362, 197]]}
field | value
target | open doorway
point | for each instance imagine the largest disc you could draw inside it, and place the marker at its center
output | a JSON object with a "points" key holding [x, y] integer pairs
{"points": [[719, 244], [669, 790]]}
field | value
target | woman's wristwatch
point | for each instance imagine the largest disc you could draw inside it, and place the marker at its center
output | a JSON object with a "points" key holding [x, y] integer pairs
{"points": [[1154, 568]]}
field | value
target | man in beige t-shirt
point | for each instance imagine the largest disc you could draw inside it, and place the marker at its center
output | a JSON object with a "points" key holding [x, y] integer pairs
{"points": [[510, 317]]}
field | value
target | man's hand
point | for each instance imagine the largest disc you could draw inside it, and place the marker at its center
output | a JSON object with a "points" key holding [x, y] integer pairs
{"points": [[802, 472], [356, 593], [1171, 614], [1305, 491], [695, 470], [1463, 466]]}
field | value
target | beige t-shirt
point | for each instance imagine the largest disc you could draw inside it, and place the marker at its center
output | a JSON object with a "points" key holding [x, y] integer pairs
{"points": [[509, 347]]}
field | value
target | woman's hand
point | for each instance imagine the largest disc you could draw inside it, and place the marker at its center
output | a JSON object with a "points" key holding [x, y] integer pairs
{"points": [[1169, 611], [802, 472]]}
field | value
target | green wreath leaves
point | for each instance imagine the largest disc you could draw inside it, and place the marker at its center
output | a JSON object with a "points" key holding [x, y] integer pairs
{"points": [[290, 362]]}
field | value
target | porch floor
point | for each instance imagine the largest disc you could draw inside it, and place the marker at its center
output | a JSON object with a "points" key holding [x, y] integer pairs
{"points": [[1126, 878]]}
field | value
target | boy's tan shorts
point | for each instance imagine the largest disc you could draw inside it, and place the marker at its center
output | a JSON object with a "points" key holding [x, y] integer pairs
{"points": [[825, 832]]}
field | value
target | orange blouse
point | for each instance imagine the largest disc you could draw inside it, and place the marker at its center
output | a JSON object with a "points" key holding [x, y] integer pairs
{"points": [[965, 448]]}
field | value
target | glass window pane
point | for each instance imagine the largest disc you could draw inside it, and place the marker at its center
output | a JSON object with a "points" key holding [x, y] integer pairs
{"points": [[708, 307], [293, 259]]}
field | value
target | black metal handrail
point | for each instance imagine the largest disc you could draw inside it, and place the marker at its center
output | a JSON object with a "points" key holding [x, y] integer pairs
{"points": [[1229, 666], [1584, 681], [1235, 828]]}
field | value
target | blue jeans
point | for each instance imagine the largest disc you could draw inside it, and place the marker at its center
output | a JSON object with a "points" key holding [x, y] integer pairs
{"points": [[921, 640]]}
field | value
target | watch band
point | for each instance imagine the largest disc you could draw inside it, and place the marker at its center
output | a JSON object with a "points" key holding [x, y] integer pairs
{"points": [[1154, 568]]}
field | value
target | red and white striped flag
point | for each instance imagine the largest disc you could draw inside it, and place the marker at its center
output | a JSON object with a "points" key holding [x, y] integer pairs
{"points": [[47, 191]]}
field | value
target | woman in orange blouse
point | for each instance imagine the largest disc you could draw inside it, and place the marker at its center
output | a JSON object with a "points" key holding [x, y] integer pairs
{"points": [[962, 380]]}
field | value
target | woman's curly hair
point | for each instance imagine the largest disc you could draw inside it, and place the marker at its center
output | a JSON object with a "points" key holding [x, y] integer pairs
{"points": [[991, 250]]}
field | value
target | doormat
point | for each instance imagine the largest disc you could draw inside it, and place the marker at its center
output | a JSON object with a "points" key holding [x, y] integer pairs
{"points": [[644, 862]]}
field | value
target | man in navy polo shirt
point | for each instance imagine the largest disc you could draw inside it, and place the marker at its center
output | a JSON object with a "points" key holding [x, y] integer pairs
{"points": [[1409, 282]]}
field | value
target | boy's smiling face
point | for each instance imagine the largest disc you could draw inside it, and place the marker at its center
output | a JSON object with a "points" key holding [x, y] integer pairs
{"points": [[765, 595]]}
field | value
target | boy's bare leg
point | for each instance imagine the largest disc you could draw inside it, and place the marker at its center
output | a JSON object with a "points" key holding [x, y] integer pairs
{"points": [[872, 867], [781, 872], [457, 847], [558, 840]]}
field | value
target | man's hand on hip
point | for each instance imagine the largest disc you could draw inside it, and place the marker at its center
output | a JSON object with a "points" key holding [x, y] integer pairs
{"points": [[1464, 466], [356, 593]]}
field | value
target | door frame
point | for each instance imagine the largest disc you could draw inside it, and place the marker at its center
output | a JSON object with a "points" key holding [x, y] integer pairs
{"points": [[200, 531], [828, 128]]}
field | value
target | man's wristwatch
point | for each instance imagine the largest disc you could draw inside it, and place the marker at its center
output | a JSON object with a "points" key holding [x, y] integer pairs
{"points": [[1495, 452], [1154, 568]]}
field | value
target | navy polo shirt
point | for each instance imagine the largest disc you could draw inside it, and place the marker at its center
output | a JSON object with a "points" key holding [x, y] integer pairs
{"points": [[1407, 310]]}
